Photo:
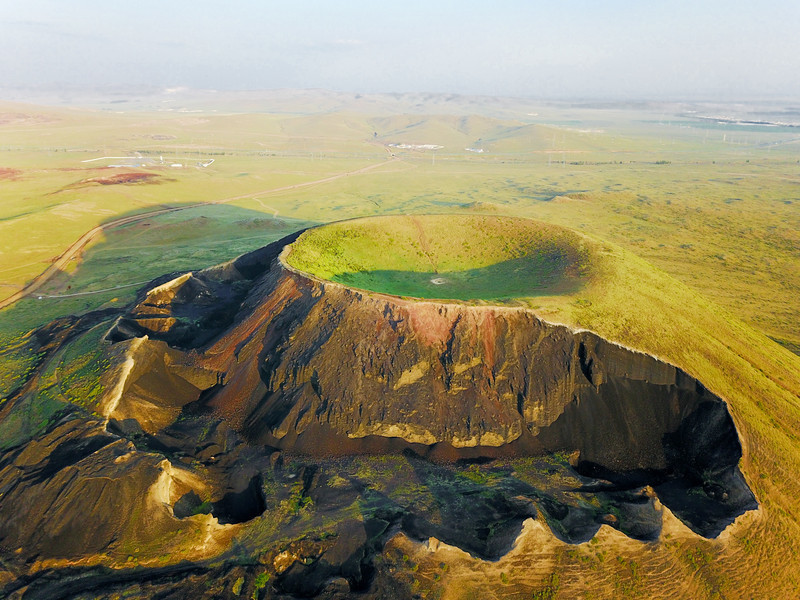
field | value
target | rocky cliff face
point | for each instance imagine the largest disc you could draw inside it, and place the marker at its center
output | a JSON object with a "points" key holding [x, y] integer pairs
{"points": [[215, 377], [319, 368]]}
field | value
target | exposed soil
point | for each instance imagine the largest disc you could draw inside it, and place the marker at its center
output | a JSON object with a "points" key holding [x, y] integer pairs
{"points": [[24, 119], [124, 178]]}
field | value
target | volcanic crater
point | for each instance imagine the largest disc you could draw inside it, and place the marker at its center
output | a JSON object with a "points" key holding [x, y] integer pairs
{"points": [[330, 369], [308, 363]]}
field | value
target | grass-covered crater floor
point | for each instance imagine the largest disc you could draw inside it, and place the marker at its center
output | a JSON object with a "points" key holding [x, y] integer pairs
{"points": [[456, 257]]}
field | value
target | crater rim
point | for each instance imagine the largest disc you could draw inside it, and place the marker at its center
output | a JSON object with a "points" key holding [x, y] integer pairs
{"points": [[564, 259]]}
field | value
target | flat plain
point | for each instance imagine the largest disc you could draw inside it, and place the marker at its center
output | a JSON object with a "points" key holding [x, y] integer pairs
{"points": [[714, 205]]}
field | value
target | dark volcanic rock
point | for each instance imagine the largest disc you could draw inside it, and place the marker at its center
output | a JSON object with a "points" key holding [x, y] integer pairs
{"points": [[319, 368], [349, 557], [249, 387], [191, 309], [58, 491]]}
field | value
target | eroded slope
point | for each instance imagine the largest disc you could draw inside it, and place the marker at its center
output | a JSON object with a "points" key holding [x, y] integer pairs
{"points": [[318, 368], [251, 400]]}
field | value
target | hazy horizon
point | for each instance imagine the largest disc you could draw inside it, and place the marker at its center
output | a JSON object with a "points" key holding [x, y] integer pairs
{"points": [[573, 49]]}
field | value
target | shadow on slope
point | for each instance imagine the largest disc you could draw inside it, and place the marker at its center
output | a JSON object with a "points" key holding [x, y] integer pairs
{"points": [[544, 275]]}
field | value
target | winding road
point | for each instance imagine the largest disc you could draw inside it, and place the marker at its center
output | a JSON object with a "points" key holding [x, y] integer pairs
{"points": [[78, 245]]}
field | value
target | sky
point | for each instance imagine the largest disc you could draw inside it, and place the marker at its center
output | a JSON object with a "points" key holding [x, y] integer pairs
{"points": [[555, 49]]}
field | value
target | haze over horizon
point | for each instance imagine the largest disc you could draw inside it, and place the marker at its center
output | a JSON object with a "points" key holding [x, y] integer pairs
{"points": [[715, 50]]}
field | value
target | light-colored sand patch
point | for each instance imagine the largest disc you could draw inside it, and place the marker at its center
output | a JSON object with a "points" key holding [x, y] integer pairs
{"points": [[413, 374], [110, 402], [414, 434]]}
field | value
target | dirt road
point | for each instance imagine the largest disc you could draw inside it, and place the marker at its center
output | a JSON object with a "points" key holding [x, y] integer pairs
{"points": [[78, 245]]}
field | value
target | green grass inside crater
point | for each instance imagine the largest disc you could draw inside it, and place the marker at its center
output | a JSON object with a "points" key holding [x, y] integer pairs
{"points": [[446, 256]]}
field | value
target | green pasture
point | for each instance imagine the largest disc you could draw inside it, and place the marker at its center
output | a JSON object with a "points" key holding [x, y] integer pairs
{"points": [[111, 271]]}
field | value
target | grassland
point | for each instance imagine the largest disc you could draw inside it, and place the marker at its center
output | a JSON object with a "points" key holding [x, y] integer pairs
{"points": [[715, 208], [714, 205]]}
